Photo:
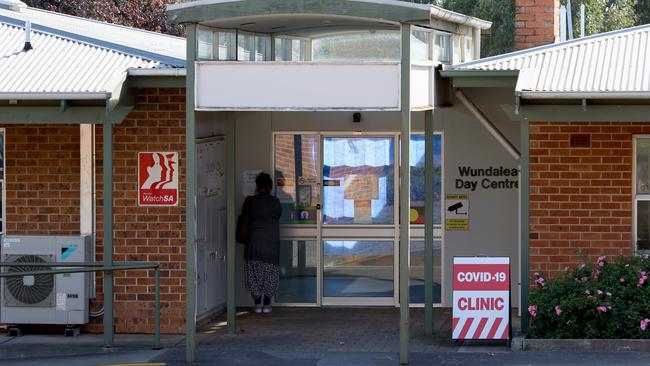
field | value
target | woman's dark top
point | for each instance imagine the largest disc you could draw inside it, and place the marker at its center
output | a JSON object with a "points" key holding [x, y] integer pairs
{"points": [[264, 242]]}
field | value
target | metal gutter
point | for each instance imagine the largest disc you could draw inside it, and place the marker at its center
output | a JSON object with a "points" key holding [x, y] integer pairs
{"points": [[451, 73], [583, 95], [179, 72], [454, 17], [55, 96]]}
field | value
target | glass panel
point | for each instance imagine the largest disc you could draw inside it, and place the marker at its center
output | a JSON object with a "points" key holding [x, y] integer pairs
{"points": [[416, 272], [443, 44], [358, 182], [358, 269], [420, 45], [643, 166], [245, 47], [643, 226], [469, 49], [296, 177], [262, 48], [417, 179], [456, 52], [297, 272], [205, 44], [297, 50], [370, 46], [227, 46]]}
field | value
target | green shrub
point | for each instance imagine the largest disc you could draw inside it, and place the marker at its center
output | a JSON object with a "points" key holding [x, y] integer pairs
{"points": [[598, 300]]}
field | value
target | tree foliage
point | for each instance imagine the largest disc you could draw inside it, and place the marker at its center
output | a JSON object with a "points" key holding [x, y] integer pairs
{"points": [[604, 15], [143, 14]]}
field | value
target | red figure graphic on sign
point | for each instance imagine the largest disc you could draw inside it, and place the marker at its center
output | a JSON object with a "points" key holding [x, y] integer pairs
{"points": [[158, 184]]}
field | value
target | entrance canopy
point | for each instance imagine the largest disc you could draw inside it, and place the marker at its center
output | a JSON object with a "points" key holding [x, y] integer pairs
{"points": [[279, 16]]}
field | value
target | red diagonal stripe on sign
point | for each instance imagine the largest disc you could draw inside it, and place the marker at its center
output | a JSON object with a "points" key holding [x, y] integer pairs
{"points": [[453, 327], [463, 333], [479, 329], [505, 334], [494, 328]]}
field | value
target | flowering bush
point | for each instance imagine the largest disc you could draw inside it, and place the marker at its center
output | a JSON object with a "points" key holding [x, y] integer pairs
{"points": [[605, 299]]}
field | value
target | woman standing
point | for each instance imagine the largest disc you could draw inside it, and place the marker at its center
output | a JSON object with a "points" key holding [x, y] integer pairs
{"points": [[262, 255]]}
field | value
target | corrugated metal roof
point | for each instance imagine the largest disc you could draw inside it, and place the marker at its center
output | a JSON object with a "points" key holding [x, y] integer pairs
{"points": [[75, 59], [608, 65]]}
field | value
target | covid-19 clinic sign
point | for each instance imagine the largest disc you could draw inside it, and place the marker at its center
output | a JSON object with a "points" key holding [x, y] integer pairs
{"points": [[481, 308], [158, 179]]}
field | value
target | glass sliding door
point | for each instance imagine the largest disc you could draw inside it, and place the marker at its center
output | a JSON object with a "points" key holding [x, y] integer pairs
{"points": [[339, 225], [358, 220]]}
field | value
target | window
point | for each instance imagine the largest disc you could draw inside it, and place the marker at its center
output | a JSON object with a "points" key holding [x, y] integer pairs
{"points": [[291, 49], [642, 194], [443, 47], [216, 44], [457, 50], [468, 51], [366, 46], [420, 45], [252, 47]]}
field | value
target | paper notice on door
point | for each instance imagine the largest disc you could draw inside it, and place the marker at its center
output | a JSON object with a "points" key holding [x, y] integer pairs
{"points": [[359, 187], [249, 181], [61, 298]]}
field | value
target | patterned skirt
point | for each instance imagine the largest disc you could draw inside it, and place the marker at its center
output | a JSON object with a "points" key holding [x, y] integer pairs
{"points": [[262, 278]]}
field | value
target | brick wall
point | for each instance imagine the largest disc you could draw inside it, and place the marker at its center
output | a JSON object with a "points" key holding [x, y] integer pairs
{"points": [[150, 234], [42, 173], [537, 22], [580, 198], [42, 177]]}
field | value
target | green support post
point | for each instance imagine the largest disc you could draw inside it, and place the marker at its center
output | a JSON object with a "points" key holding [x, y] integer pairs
{"points": [[108, 232], [190, 203], [404, 194], [231, 190], [524, 191], [429, 184]]}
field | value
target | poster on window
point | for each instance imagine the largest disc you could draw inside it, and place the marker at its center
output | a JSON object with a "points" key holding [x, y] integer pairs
{"points": [[158, 178]]}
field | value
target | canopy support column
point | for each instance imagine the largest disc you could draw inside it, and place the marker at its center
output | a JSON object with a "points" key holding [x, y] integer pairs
{"points": [[429, 184], [108, 232], [231, 191], [190, 202], [404, 193]]}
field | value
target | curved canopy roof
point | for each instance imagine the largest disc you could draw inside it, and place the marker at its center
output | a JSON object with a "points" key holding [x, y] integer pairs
{"points": [[251, 14]]}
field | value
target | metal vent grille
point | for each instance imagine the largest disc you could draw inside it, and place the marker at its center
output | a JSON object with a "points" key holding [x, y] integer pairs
{"points": [[29, 290]]}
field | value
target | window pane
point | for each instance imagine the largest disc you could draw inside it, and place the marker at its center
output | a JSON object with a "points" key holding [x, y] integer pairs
{"points": [[358, 268], [469, 49], [416, 272], [262, 48], [443, 43], [296, 177], [375, 46], [227, 46], [456, 49], [417, 179], [205, 44], [643, 226], [420, 45], [643, 166], [358, 181], [245, 47], [297, 272]]}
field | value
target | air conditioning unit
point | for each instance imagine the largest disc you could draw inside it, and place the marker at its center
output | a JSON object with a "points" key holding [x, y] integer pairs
{"points": [[45, 299]]}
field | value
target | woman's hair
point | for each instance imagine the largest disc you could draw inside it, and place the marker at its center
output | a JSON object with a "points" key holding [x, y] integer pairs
{"points": [[263, 181]]}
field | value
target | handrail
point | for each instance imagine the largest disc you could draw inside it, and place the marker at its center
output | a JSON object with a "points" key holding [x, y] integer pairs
{"points": [[84, 267]]}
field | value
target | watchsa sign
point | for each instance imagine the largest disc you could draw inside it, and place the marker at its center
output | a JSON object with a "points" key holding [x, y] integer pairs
{"points": [[481, 307], [158, 179]]}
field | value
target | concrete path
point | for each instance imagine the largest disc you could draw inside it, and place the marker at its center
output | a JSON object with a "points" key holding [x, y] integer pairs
{"points": [[299, 337]]}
